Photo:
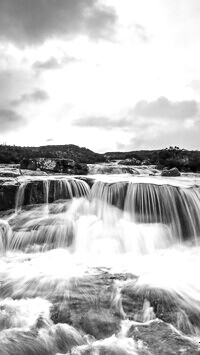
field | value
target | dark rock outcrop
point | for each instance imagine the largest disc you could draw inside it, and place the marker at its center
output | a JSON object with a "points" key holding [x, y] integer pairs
{"points": [[171, 172], [55, 165], [131, 161]]}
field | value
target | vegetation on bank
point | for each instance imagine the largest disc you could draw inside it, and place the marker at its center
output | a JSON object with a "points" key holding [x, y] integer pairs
{"points": [[171, 157], [14, 154]]}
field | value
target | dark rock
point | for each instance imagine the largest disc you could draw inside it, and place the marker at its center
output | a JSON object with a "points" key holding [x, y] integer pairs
{"points": [[55, 165], [9, 170], [165, 305], [100, 323], [8, 190], [146, 162], [89, 306], [161, 338], [66, 337], [170, 172], [130, 161], [9, 173]]}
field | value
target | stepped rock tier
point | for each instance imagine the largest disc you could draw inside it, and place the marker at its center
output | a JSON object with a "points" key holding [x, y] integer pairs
{"points": [[100, 263]]}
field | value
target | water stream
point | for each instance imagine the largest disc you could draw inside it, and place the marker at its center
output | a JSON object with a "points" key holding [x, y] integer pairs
{"points": [[106, 264]]}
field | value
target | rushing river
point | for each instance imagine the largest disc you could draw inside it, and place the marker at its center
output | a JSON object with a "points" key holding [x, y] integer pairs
{"points": [[106, 264]]}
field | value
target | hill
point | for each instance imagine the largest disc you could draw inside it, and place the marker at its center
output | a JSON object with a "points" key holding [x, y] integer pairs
{"points": [[14, 154]]}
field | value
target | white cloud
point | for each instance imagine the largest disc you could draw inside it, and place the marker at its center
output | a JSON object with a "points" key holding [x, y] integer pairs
{"points": [[141, 87]]}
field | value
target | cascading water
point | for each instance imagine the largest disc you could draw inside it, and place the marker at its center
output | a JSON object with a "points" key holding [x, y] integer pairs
{"points": [[33, 191], [110, 269], [114, 168]]}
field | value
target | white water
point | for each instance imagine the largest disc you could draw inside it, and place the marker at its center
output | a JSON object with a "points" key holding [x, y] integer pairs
{"points": [[115, 168], [89, 255]]}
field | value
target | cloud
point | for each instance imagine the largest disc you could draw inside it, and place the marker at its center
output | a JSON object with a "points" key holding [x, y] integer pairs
{"points": [[53, 63], [36, 96], [141, 33], [195, 85], [27, 22], [49, 140], [145, 114], [99, 122], [163, 108], [156, 138], [10, 120]]}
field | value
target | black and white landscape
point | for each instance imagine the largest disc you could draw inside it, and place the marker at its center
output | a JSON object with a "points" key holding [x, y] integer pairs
{"points": [[99, 177]]}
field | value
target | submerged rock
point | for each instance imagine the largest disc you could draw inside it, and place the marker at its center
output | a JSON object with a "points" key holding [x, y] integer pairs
{"points": [[171, 172], [162, 338], [145, 303], [90, 306], [109, 346], [54, 165]]}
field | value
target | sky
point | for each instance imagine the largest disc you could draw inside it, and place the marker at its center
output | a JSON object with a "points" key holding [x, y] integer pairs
{"points": [[103, 74]]}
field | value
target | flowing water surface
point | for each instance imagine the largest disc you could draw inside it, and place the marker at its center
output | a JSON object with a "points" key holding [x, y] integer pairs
{"points": [[106, 264]]}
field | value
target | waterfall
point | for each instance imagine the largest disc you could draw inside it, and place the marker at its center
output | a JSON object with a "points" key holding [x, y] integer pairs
{"points": [[176, 207], [114, 168], [34, 191], [20, 196], [5, 236], [126, 216], [109, 267]]}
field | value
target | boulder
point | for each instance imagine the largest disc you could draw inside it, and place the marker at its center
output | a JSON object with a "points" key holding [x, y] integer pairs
{"points": [[55, 165], [130, 161], [170, 172]]}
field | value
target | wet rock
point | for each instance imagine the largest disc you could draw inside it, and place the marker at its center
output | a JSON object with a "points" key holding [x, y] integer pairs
{"points": [[8, 173], [110, 346], [100, 323], [8, 190], [18, 341], [47, 339], [37, 191], [33, 172], [170, 172], [112, 193], [34, 193], [90, 306], [55, 165], [89, 180], [161, 338], [66, 337], [142, 303]]}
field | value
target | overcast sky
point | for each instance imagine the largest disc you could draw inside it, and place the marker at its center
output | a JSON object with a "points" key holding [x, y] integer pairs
{"points": [[107, 75]]}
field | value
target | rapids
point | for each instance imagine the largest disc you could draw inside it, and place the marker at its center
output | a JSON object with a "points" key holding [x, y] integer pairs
{"points": [[103, 264]]}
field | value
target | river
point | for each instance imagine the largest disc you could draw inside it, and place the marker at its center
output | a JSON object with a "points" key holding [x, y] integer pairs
{"points": [[102, 264]]}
